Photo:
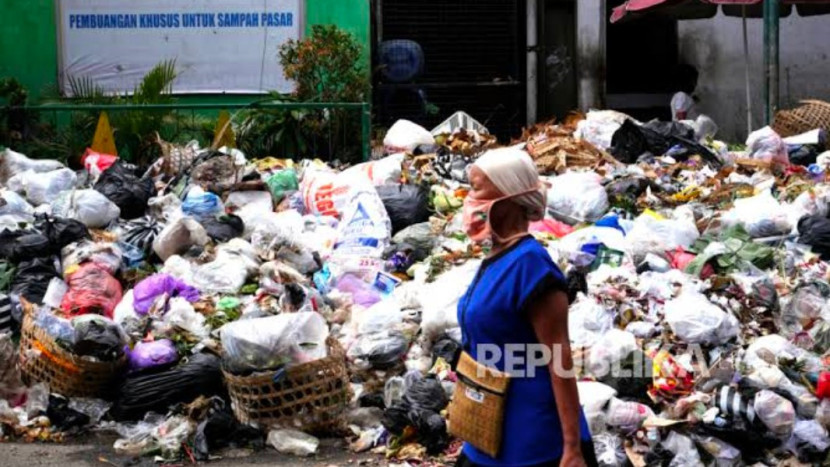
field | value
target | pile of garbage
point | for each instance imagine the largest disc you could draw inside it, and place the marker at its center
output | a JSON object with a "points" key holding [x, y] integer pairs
{"points": [[700, 332]]}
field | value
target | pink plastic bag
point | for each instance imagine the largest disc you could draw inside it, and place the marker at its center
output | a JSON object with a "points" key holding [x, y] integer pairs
{"points": [[91, 290]]}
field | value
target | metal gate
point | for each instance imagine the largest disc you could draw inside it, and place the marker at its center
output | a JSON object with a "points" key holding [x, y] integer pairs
{"points": [[434, 57]]}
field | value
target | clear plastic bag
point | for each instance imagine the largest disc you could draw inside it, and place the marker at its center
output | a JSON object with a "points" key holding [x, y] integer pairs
{"points": [[611, 349], [696, 320], [293, 442], [88, 206], [650, 235], [181, 317], [179, 236], [766, 145], [273, 342], [777, 413], [439, 299], [107, 255], [811, 432], [761, 215], [683, 448], [577, 197]]}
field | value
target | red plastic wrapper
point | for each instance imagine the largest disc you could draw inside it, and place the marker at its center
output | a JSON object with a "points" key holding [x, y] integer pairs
{"points": [[91, 290], [552, 227], [96, 163], [823, 386]]}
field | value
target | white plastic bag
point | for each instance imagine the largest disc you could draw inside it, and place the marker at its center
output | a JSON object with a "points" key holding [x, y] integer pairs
{"points": [[179, 236], [439, 299], [577, 197], [766, 145], [593, 397], [777, 413], [380, 172], [650, 235], [235, 261], [181, 316], [165, 208], [765, 351], [293, 442], [42, 188], [588, 321], [761, 215], [250, 206], [405, 136], [87, 206], [275, 341], [13, 163], [812, 433], [13, 204], [696, 320], [611, 349], [599, 126], [277, 229]]}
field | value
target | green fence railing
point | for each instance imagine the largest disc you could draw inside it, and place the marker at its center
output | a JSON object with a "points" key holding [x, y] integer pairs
{"points": [[61, 113]]}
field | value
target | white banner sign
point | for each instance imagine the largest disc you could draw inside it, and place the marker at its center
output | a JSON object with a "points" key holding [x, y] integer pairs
{"points": [[219, 45]]}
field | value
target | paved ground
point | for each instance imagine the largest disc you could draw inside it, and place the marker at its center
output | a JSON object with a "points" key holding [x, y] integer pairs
{"points": [[97, 451]]}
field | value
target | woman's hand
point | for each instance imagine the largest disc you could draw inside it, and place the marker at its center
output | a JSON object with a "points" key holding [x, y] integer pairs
{"points": [[572, 457]]}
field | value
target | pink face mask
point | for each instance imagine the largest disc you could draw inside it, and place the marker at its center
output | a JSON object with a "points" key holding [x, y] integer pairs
{"points": [[476, 218]]}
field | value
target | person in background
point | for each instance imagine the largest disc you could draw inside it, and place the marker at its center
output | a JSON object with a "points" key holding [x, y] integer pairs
{"points": [[519, 296], [684, 103]]}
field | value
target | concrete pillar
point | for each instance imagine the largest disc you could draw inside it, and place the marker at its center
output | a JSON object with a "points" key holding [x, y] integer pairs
{"points": [[532, 57], [591, 22]]}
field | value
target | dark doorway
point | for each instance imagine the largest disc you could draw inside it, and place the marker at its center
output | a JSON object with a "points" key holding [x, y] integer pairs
{"points": [[435, 57], [557, 59], [641, 57]]}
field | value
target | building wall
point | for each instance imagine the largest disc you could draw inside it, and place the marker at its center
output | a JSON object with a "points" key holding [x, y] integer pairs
{"points": [[28, 44], [715, 47]]}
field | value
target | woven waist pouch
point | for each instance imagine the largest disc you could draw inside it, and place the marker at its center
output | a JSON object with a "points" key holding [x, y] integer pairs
{"points": [[476, 413]]}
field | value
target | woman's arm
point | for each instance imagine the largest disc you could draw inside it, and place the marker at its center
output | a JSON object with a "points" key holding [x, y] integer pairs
{"points": [[549, 316]]}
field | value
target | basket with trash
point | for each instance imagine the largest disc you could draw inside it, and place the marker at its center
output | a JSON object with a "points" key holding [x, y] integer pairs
{"points": [[78, 357], [286, 371]]}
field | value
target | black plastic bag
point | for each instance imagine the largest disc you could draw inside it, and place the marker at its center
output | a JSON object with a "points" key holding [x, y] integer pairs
{"points": [[804, 154], [406, 205], [129, 192], [426, 394], [223, 228], [815, 231], [374, 399], [98, 338], [447, 348], [33, 277], [61, 231], [432, 430], [430, 426], [221, 430], [388, 352], [631, 141], [199, 376], [63, 417], [20, 245]]}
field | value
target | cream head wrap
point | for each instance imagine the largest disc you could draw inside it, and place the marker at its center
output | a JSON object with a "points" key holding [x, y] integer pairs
{"points": [[512, 171]]}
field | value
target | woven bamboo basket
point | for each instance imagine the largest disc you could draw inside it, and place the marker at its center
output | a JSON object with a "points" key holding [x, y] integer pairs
{"points": [[311, 397], [810, 115], [44, 360]]}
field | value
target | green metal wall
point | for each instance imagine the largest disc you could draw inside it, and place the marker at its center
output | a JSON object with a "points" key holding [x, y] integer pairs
{"points": [[28, 43]]}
